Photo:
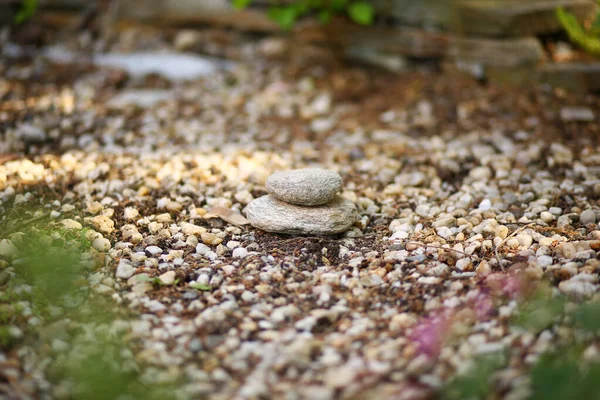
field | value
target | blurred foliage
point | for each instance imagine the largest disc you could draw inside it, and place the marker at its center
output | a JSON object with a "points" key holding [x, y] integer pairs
{"points": [[286, 15], [200, 286], [477, 382], [540, 310], [587, 39], [51, 261], [48, 276], [587, 317], [560, 375], [28, 8]]}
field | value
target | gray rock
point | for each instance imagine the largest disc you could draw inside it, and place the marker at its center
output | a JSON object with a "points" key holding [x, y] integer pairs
{"points": [[502, 18], [580, 77], [30, 134], [581, 114], [273, 215], [173, 66], [305, 187], [563, 221], [587, 217], [142, 98]]}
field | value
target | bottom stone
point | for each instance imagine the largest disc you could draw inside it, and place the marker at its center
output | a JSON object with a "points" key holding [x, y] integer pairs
{"points": [[272, 215]]}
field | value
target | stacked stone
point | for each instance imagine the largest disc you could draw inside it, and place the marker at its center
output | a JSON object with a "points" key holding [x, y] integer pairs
{"points": [[303, 201]]}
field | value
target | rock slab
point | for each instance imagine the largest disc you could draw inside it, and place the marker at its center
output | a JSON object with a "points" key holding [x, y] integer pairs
{"points": [[305, 187], [273, 215]]}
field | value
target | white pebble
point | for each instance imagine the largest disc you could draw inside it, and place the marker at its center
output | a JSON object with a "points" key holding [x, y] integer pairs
{"points": [[154, 250], [125, 270], [544, 261], [101, 244], [485, 205], [524, 240], [547, 216], [71, 224], [168, 278], [228, 269], [240, 252], [463, 263], [557, 211], [202, 249], [130, 213]]}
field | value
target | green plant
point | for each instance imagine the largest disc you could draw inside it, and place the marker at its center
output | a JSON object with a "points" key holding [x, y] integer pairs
{"points": [[587, 317], [540, 310], [286, 15], [557, 374], [476, 383], [49, 271], [51, 261], [561, 375], [588, 40], [28, 8]]}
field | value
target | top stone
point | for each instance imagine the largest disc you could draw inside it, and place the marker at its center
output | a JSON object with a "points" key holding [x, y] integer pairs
{"points": [[305, 187]]}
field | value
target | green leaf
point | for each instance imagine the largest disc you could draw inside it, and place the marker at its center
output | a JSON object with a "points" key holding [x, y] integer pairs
{"points": [[586, 40], [324, 16], [560, 374], [200, 286], [28, 8], [302, 7], [338, 5], [240, 4], [361, 12], [553, 378], [540, 311], [284, 16]]}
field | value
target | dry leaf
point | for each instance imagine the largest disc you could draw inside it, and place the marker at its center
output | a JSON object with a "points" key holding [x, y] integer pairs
{"points": [[228, 215]]}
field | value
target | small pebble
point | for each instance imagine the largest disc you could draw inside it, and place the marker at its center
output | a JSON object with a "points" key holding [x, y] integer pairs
{"points": [[240, 252], [547, 216], [125, 270], [101, 244], [103, 224], [130, 213], [71, 224], [210, 238], [168, 278], [154, 250], [587, 217]]}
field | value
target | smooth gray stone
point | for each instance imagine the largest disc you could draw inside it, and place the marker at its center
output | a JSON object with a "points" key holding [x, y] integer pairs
{"points": [[273, 215], [305, 187]]}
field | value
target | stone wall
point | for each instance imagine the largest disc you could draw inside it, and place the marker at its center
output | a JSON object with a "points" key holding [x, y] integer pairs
{"points": [[494, 39]]}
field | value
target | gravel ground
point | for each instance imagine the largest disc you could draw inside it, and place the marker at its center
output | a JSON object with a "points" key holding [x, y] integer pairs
{"points": [[465, 191]]}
